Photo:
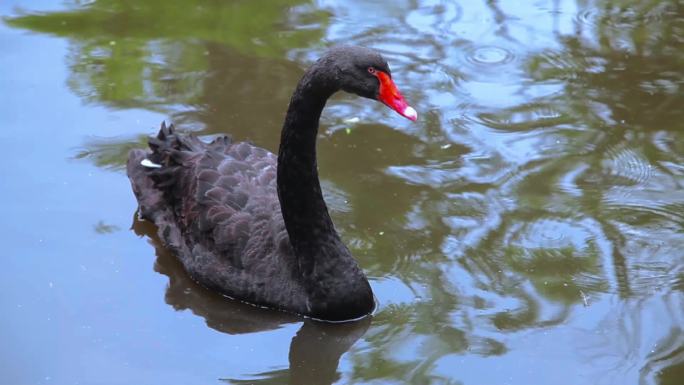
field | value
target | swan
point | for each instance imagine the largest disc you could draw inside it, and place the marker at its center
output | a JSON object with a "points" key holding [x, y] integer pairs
{"points": [[253, 226]]}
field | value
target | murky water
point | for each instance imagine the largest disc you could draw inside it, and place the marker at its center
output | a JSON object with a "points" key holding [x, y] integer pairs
{"points": [[528, 229]]}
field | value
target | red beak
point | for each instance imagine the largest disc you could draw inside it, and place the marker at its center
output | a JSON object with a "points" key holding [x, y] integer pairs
{"points": [[390, 95]]}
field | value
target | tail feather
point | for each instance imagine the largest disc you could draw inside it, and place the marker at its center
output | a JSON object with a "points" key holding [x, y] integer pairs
{"points": [[150, 199], [153, 185], [167, 144], [158, 188]]}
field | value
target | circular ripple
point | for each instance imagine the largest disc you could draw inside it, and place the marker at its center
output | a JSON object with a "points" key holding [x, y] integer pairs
{"points": [[627, 164], [552, 233], [489, 56], [524, 118], [485, 64], [587, 16], [625, 17]]}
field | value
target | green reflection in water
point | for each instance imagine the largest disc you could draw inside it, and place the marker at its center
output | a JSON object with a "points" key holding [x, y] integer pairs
{"points": [[109, 154], [154, 54]]}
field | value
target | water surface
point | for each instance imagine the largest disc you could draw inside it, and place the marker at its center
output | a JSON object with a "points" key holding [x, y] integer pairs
{"points": [[528, 229]]}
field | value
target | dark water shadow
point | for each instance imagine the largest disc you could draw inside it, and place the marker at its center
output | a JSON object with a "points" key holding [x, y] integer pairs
{"points": [[315, 350]]}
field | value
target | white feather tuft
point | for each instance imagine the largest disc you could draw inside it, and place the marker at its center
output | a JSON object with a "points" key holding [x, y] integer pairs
{"points": [[149, 164]]}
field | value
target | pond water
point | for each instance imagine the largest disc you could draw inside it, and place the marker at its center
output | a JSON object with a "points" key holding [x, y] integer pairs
{"points": [[527, 229]]}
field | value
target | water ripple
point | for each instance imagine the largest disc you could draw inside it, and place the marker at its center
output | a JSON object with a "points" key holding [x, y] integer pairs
{"points": [[587, 16], [624, 17], [489, 56], [484, 63], [525, 117], [552, 233], [626, 164], [434, 175], [435, 19], [647, 212]]}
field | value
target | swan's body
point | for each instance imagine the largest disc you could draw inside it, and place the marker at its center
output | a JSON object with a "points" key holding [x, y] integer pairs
{"points": [[254, 226]]}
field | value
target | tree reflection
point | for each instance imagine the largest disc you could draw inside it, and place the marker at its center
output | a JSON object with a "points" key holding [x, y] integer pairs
{"points": [[156, 54], [623, 76], [620, 74]]}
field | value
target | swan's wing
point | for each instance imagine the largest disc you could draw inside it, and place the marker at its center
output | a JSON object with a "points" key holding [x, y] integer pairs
{"points": [[224, 198], [216, 207], [237, 206]]}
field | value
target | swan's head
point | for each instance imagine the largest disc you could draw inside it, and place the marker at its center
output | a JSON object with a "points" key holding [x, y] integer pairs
{"points": [[365, 72]]}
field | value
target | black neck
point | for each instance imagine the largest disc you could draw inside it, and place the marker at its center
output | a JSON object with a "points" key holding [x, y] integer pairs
{"points": [[336, 287], [304, 211]]}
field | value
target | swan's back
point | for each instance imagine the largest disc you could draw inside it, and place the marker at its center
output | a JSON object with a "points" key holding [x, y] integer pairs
{"points": [[217, 209]]}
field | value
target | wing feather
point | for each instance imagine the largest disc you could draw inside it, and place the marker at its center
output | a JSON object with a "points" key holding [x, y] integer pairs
{"points": [[221, 213]]}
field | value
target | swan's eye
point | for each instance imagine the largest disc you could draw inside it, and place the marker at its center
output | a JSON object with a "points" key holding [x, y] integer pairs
{"points": [[371, 70]]}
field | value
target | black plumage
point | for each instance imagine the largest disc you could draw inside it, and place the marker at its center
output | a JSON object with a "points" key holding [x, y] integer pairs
{"points": [[254, 226]]}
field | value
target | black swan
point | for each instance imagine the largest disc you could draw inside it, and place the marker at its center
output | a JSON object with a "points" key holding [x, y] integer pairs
{"points": [[255, 227]]}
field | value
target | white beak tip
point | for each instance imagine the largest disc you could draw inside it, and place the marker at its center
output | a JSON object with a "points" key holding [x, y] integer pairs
{"points": [[410, 113]]}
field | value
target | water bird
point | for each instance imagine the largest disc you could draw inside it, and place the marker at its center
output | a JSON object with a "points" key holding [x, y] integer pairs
{"points": [[253, 226]]}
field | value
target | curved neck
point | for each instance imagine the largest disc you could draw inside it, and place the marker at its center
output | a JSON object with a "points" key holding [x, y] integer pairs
{"points": [[304, 211], [336, 287]]}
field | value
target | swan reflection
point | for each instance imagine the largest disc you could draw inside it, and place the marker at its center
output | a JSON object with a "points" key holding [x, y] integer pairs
{"points": [[315, 350]]}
